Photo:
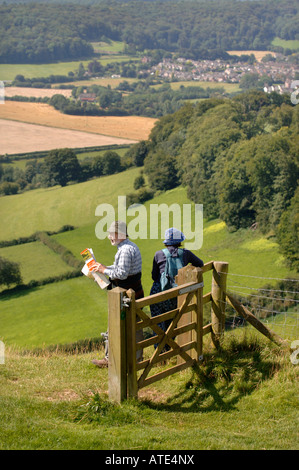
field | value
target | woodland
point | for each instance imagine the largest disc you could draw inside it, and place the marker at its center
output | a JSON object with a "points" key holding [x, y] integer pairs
{"points": [[43, 32], [238, 157]]}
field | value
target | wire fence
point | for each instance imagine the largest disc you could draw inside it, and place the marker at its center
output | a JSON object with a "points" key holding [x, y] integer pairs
{"points": [[275, 304]]}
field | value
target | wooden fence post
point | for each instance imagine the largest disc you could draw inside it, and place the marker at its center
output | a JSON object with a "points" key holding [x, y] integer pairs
{"points": [[131, 345], [191, 274], [117, 369], [199, 316], [218, 293]]}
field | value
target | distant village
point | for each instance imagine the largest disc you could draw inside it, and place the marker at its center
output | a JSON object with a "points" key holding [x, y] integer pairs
{"points": [[280, 72]]}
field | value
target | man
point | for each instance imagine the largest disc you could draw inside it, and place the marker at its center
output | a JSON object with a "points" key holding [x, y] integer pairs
{"points": [[125, 272]]}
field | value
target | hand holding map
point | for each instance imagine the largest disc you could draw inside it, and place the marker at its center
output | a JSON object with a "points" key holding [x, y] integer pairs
{"points": [[90, 264]]}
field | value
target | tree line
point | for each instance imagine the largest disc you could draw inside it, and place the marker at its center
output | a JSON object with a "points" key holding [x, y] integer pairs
{"points": [[35, 32], [138, 99], [62, 166], [238, 157]]}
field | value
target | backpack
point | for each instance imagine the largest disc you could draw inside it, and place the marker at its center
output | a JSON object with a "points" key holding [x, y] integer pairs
{"points": [[172, 266]]}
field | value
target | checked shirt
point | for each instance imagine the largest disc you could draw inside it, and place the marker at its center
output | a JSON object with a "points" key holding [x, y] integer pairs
{"points": [[127, 261]]}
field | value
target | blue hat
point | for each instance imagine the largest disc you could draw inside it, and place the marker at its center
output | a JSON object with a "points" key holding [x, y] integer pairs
{"points": [[173, 236]]}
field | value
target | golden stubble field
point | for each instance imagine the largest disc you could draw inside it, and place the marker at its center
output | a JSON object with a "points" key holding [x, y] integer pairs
{"points": [[258, 54], [36, 92], [18, 137]]}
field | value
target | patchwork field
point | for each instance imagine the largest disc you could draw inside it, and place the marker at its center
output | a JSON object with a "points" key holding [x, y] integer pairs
{"points": [[36, 260], [126, 127]]}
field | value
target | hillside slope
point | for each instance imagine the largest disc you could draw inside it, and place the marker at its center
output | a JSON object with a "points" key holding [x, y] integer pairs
{"points": [[72, 310]]}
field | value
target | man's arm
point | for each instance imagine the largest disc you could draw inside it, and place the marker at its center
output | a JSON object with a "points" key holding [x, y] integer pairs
{"points": [[121, 267]]}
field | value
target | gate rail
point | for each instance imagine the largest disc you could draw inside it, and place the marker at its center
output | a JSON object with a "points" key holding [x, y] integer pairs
{"points": [[127, 320]]}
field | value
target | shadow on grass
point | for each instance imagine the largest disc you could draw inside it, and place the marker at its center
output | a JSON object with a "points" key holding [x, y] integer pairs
{"points": [[17, 292], [217, 384], [222, 379]]}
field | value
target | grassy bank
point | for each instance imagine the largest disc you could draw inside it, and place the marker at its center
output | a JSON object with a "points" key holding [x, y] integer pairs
{"points": [[244, 397]]}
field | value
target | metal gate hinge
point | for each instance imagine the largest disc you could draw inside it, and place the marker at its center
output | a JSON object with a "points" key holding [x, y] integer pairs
{"points": [[125, 302]]}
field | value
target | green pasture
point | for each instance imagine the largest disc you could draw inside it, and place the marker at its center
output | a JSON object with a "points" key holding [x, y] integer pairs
{"points": [[104, 81], [58, 313], [286, 44], [244, 397], [51, 208], [71, 310], [121, 151], [111, 47], [228, 87], [36, 261], [9, 71]]}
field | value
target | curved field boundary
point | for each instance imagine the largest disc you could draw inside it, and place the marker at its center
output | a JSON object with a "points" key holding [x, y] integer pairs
{"points": [[20, 137], [125, 127]]}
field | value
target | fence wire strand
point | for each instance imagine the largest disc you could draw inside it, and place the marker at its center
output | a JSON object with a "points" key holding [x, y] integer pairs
{"points": [[268, 304]]}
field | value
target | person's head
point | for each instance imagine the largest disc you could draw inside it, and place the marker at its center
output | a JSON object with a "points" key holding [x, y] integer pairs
{"points": [[117, 232], [174, 237]]}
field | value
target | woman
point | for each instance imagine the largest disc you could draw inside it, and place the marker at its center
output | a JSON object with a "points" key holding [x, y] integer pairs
{"points": [[169, 259]]}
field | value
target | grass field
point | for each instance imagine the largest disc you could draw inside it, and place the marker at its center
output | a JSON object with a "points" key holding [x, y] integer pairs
{"points": [[36, 261], [51, 208], [9, 71], [290, 44], [228, 87], [21, 163], [244, 397], [48, 209], [59, 313], [113, 47]]}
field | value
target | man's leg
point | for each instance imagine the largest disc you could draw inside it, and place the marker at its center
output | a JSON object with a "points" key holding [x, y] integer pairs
{"points": [[103, 362]]}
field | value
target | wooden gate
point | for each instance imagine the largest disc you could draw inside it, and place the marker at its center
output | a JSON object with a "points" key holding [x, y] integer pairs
{"points": [[189, 300], [127, 319]]}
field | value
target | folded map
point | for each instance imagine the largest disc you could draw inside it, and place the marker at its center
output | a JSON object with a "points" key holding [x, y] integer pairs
{"points": [[90, 261]]}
